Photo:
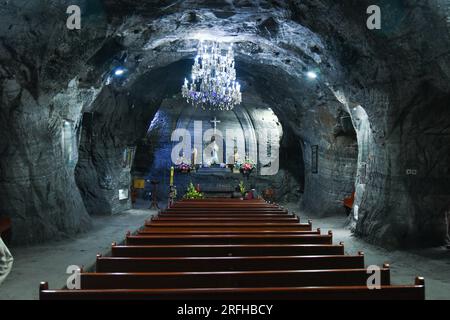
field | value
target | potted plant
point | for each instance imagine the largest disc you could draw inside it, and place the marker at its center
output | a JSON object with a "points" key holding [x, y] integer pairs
{"points": [[192, 193], [242, 189]]}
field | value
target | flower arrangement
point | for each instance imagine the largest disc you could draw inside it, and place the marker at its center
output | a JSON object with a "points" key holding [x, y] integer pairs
{"points": [[183, 168], [247, 167], [192, 193]]}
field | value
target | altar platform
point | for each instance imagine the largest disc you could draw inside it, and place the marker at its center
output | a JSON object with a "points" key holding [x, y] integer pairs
{"points": [[215, 182], [213, 170]]}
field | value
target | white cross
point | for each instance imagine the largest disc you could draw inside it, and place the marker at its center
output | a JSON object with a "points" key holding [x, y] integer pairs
{"points": [[215, 122]]}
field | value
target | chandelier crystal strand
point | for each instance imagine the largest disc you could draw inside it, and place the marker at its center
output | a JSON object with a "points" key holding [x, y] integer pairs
{"points": [[213, 82]]}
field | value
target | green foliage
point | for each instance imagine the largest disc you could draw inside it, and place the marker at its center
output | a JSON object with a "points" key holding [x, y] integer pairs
{"points": [[242, 187], [193, 194]]}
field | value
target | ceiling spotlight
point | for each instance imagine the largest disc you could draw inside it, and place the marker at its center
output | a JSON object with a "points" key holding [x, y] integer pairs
{"points": [[311, 75], [119, 72]]}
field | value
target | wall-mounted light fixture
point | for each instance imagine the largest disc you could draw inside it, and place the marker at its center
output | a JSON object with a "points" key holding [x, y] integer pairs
{"points": [[118, 72], [311, 75]]}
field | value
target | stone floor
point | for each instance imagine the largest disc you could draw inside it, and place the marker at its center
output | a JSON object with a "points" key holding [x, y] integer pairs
{"points": [[49, 261]]}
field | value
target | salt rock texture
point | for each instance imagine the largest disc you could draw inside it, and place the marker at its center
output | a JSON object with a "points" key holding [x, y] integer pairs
{"points": [[392, 85]]}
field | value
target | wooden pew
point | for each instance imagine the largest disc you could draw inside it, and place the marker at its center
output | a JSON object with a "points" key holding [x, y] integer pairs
{"points": [[294, 229], [226, 200], [220, 199], [226, 209], [208, 264], [205, 223], [224, 231], [230, 249], [224, 203], [238, 255], [243, 205], [230, 239], [225, 214], [222, 212], [230, 279], [226, 250], [211, 201], [221, 216], [408, 292], [229, 224], [215, 219]]}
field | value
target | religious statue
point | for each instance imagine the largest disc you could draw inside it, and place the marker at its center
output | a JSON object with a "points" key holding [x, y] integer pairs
{"points": [[214, 147], [236, 156], [236, 160], [181, 159], [214, 152]]}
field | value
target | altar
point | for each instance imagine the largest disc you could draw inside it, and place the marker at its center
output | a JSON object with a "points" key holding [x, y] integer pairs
{"points": [[215, 181], [210, 148], [212, 170]]}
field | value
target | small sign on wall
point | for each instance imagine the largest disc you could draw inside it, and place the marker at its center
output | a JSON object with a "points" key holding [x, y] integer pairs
{"points": [[127, 157], [139, 184], [123, 194]]}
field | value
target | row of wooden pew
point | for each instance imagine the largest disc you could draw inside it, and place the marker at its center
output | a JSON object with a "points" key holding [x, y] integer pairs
{"points": [[231, 249]]}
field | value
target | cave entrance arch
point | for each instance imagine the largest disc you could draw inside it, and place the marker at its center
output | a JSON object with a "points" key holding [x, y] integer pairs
{"points": [[263, 100], [256, 112]]}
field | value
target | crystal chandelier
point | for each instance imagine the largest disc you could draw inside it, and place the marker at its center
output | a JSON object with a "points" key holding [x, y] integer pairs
{"points": [[213, 85]]}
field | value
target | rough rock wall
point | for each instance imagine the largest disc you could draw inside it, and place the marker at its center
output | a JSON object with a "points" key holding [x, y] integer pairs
{"points": [[118, 123], [397, 75], [330, 170], [38, 191], [38, 58]]}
